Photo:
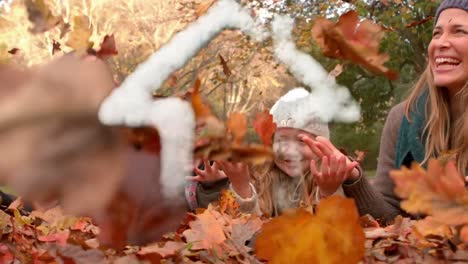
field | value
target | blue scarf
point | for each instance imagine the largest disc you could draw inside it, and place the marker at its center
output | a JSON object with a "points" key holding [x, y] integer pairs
{"points": [[410, 142]]}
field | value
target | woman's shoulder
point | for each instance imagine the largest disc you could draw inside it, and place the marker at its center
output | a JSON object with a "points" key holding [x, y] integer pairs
{"points": [[396, 114]]}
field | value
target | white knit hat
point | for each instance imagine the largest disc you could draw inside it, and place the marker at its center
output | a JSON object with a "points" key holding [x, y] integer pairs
{"points": [[294, 110]]}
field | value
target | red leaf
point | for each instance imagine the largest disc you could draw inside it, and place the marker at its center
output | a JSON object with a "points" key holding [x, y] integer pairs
{"points": [[108, 48], [265, 127]]}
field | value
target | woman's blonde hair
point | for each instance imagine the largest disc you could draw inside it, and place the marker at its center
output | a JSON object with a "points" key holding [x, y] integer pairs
{"points": [[268, 176], [442, 132]]}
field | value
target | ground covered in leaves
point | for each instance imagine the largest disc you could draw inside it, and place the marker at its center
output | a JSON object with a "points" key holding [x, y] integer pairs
{"points": [[221, 234]]}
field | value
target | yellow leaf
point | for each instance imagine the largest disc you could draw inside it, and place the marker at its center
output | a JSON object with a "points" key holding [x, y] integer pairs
{"points": [[79, 37], [439, 192]]}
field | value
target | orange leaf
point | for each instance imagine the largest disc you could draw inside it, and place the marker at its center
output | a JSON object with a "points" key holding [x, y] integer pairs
{"points": [[237, 124], [350, 39], [464, 233], [439, 192], [328, 237], [265, 127], [431, 227], [146, 138], [203, 7], [228, 203], [200, 109]]}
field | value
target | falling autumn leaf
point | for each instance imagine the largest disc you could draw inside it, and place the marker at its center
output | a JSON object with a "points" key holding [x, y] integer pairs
{"points": [[226, 69], [80, 35], [13, 51], [354, 40], [200, 109], [40, 16], [55, 47], [420, 22], [438, 191], [330, 236], [265, 127], [107, 48], [237, 125]]}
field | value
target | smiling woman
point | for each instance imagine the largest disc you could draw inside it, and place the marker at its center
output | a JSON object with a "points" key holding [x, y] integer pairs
{"points": [[432, 122]]}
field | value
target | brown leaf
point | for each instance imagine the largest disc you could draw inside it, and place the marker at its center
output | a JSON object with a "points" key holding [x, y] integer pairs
{"points": [[64, 29], [354, 40], [107, 48], [420, 22], [265, 127], [40, 16], [13, 51], [237, 124], [80, 35], [226, 69], [331, 235], [55, 47]]}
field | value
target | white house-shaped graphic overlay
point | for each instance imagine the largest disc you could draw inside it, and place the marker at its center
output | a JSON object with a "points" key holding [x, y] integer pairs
{"points": [[132, 104]]}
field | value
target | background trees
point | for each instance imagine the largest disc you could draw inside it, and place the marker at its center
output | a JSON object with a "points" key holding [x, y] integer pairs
{"points": [[238, 75]]}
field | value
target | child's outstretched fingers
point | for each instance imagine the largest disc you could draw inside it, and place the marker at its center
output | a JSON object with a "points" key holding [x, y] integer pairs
{"points": [[312, 145]]}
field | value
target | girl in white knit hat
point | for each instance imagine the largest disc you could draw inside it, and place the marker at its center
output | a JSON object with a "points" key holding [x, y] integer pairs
{"points": [[296, 175]]}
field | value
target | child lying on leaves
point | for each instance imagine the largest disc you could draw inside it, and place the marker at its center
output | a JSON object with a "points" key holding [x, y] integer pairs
{"points": [[296, 174]]}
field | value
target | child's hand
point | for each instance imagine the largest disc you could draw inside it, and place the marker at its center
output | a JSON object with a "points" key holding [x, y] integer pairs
{"points": [[238, 173], [333, 172], [210, 173], [336, 167]]}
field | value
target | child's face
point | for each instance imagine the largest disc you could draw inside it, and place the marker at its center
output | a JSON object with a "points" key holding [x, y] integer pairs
{"points": [[292, 155]]}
